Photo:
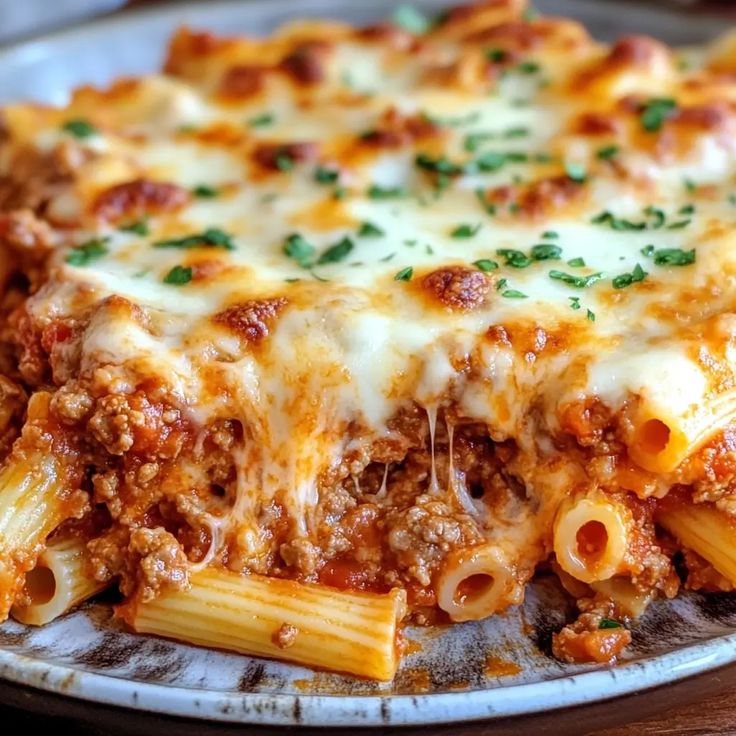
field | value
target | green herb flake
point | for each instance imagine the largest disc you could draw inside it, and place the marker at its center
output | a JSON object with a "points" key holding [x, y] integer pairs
{"points": [[139, 227], [688, 209], [674, 257], [657, 215], [574, 302], [465, 231], [485, 264], [606, 153], [87, 252], [590, 316], [654, 113], [323, 175], [514, 258], [488, 162], [411, 20], [440, 165], [405, 274], [262, 120], [609, 623], [178, 276], [337, 252], [545, 252], [204, 191], [578, 282], [387, 258], [528, 67], [501, 284], [489, 207], [283, 161], [576, 172], [679, 224], [576, 262], [369, 230], [212, 237], [549, 235], [516, 132], [497, 56], [299, 249], [689, 184], [647, 250], [473, 141], [617, 223], [627, 279], [378, 192], [513, 294], [79, 128]]}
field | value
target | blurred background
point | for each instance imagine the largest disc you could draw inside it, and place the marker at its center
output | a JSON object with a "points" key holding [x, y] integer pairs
{"points": [[23, 18]]}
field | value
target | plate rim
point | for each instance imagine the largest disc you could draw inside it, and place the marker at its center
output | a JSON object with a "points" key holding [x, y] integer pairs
{"points": [[289, 709], [310, 710]]}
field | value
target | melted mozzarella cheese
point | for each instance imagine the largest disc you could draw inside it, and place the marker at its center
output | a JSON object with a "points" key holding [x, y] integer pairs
{"points": [[356, 343]]}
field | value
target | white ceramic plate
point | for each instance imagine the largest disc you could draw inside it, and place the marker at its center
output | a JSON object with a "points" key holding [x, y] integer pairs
{"points": [[489, 669]]}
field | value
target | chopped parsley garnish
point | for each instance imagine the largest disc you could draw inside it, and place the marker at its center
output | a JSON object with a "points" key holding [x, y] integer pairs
{"points": [[337, 252], [576, 172], [454, 122], [514, 258], [674, 257], [87, 252], [517, 132], [405, 274], [411, 19], [339, 193], [489, 207], [79, 128], [679, 224], [574, 302], [489, 161], [647, 250], [688, 209], [485, 264], [689, 184], [387, 258], [369, 230], [299, 249], [323, 175], [178, 276], [657, 216], [513, 294], [627, 279], [465, 231], [212, 237], [576, 262], [283, 161], [204, 191], [440, 165], [139, 227], [609, 623], [260, 121], [590, 316], [617, 223], [606, 153], [528, 67], [473, 141], [654, 113], [496, 55], [578, 282], [549, 235], [501, 284], [545, 252], [378, 192]]}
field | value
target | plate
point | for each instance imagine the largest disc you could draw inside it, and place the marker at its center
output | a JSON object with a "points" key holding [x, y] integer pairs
{"points": [[496, 668]]}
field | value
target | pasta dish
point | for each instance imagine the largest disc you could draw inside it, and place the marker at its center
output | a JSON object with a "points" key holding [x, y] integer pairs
{"points": [[311, 336]]}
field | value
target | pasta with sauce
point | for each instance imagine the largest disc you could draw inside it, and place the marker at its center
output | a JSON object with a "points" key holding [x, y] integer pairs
{"points": [[313, 335]]}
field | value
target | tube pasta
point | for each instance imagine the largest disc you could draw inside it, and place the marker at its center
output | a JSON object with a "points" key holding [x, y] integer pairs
{"points": [[58, 583], [475, 583], [338, 630], [662, 442], [591, 538], [705, 530]]}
